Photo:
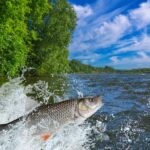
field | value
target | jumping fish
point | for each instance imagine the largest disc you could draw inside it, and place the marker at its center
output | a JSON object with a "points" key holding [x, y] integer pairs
{"points": [[49, 118]]}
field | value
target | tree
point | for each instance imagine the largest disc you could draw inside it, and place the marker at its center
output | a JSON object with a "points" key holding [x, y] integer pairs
{"points": [[14, 42], [55, 62], [49, 53], [35, 33]]}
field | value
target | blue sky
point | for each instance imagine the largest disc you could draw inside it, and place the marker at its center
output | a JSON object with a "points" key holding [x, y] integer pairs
{"points": [[112, 32]]}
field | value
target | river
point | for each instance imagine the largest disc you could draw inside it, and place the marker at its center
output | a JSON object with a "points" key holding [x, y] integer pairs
{"points": [[123, 123]]}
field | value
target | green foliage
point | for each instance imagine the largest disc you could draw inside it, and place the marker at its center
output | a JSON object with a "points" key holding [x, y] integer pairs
{"points": [[38, 11], [35, 33], [55, 62], [14, 44], [136, 71], [49, 53], [77, 67]]}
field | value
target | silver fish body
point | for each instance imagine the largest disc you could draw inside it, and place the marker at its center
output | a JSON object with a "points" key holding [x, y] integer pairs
{"points": [[49, 118], [60, 112]]}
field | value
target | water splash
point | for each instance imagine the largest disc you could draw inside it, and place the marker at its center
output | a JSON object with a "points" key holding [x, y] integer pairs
{"points": [[71, 136], [13, 99], [12, 96], [40, 91]]}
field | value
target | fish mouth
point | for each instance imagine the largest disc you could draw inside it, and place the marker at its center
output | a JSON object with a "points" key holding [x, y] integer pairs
{"points": [[85, 110]]}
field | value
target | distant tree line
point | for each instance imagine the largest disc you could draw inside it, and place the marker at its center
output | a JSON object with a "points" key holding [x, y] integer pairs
{"points": [[136, 71], [77, 67]]}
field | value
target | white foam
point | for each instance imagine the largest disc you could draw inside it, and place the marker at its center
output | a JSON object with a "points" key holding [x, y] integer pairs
{"points": [[70, 137], [11, 98]]}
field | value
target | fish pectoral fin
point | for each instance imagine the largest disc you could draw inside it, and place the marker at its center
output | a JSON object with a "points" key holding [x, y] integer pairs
{"points": [[46, 136]]}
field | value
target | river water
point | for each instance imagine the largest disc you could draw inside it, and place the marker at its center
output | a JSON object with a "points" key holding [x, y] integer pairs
{"points": [[123, 123]]}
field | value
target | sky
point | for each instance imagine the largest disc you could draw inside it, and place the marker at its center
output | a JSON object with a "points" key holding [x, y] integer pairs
{"points": [[112, 33]]}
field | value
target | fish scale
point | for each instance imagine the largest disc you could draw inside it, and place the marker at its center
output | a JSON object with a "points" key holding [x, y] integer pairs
{"points": [[60, 112]]}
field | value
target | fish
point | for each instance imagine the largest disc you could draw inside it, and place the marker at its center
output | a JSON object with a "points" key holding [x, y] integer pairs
{"points": [[47, 119]]}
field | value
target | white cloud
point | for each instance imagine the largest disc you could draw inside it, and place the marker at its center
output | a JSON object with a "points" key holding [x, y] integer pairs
{"points": [[141, 16], [89, 58], [141, 43], [93, 23], [144, 56], [83, 11], [114, 59], [101, 36], [96, 31], [141, 60], [111, 32]]}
